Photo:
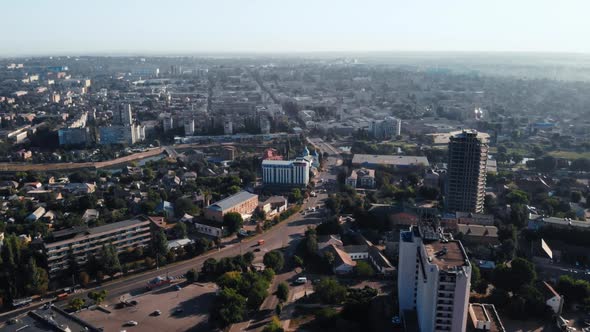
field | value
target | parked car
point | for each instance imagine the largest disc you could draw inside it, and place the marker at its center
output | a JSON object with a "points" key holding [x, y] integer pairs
{"points": [[156, 313], [131, 323], [301, 280]]}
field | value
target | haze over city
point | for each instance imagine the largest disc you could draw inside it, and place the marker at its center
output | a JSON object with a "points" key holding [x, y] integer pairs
{"points": [[263, 26], [273, 166]]}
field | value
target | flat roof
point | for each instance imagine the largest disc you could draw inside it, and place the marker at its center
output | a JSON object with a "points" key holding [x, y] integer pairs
{"points": [[277, 162], [103, 229], [232, 201], [395, 160], [453, 257]]}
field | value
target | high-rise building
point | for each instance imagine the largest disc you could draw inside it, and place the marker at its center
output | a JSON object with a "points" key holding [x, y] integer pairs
{"points": [[286, 172], [189, 126], [167, 123], [228, 127], [466, 172], [123, 115], [433, 280], [74, 136], [387, 128]]}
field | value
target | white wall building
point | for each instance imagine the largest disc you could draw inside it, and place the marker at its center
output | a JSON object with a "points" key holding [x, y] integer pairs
{"points": [[189, 126], [433, 280], [387, 128], [286, 172]]}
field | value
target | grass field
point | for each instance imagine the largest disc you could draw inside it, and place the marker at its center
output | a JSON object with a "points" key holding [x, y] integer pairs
{"points": [[570, 154]]}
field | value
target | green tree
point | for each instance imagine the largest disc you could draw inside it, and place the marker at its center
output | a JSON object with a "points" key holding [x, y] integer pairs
{"points": [[77, 304], [364, 269], [330, 291], [257, 293], [37, 278], [517, 197], [184, 205], [296, 195], [273, 326], [109, 260], [283, 291], [160, 244], [274, 259], [228, 308], [98, 297], [233, 221], [180, 230]]}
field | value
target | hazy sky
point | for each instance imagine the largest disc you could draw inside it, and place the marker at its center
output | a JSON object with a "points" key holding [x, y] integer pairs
{"points": [[185, 26]]}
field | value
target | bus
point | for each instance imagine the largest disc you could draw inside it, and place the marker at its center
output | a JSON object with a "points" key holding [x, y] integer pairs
{"points": [[23, 302]]}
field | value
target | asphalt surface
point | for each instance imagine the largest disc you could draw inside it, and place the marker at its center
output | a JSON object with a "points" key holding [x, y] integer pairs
{"points": [[286, 233]]}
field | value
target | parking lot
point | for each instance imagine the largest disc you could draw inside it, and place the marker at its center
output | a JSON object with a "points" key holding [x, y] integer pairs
{"points": [[181, 310]]}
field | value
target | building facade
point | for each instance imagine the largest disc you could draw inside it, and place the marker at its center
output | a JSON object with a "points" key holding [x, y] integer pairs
{"points": [[74, 136], [433, 280], [466, 174], [78, 244], [361, 178], [243, 203], [286, 172], [387, 128]]}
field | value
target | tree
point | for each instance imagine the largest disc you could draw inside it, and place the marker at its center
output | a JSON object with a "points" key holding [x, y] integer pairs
{"points": [[274, 259], [257, 293], [192, 275], [77, 304], [330, 291], [233, 221], [363, 269], [575, 196], [160, 244], [231, 279], [109, 260], [512, 278], [180, 230], [228, 308], [37, 278], [296, 195], [184, 205], [273, 326], [98, 297], [517, 197], [283, 291], [518, 215]]}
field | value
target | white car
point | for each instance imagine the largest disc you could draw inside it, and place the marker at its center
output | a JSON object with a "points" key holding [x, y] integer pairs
{"points": [[301, 280], [131, 323]]}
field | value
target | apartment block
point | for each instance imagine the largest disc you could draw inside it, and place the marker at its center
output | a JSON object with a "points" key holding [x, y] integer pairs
{"points": [[433, 280], [80, 242], [466, 174], [286, 172]]}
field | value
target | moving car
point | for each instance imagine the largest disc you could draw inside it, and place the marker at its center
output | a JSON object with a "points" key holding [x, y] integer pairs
{"points": [[156, 313], [131, 323]]}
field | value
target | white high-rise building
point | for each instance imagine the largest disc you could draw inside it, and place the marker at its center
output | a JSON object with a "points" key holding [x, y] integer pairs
{"points": [[189, 126], [433, 280], [286, 172], [167, 123], [387, 128], [228, 127]]}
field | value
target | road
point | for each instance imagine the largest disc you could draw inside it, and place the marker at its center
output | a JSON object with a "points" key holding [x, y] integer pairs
{"points": [[286, 233]]}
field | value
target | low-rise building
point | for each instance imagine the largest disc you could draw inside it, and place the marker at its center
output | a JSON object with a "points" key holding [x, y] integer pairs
{"points": [[484, 317], [243, 203], [373, 161], [361, 178], [209, 230], [478, 233]]}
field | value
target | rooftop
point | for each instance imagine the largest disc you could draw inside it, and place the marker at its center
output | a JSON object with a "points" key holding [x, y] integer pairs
{"points": [[232, 201], [446, 255], [393, 160]]}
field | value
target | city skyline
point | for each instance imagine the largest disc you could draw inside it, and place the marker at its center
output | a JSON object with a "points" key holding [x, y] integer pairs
{"points": [[182, 27]]}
